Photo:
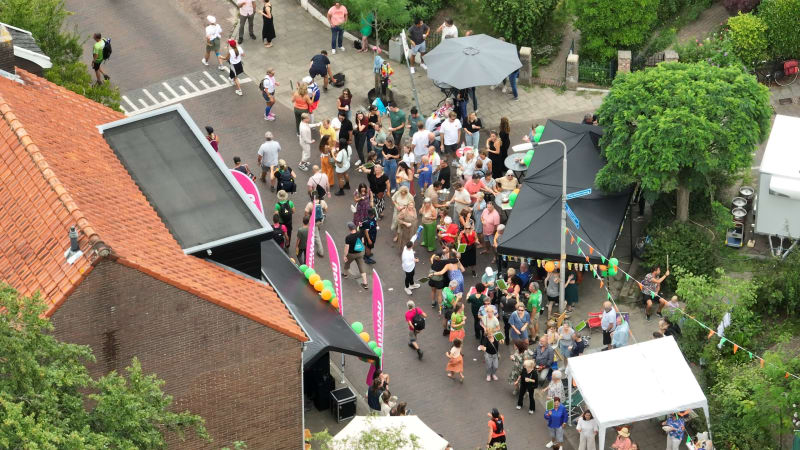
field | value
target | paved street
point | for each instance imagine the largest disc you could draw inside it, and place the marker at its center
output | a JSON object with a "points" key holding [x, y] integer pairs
{"points": [[157, 50]]}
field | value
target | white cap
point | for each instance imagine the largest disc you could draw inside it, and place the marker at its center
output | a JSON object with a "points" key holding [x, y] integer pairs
{"points": [[307, 80], [509, 172], [489, 272], [211, 19], [448, 220]]}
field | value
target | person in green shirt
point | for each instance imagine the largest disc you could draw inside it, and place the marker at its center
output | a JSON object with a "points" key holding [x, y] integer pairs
{"points": [[397, 120], [449, 301], [457, 320], [413, 119], [475, 302], [97, 58], [534, 306]]}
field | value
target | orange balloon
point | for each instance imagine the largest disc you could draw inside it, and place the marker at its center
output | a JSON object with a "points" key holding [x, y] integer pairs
{"points": [[364, 336], [549, 266], [603, 268], [319, 285], [335, 302], [516, 191], [313, 279], [326, 294]]}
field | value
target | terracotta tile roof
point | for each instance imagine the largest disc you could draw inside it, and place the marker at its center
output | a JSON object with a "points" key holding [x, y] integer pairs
{"points": [[57, 171]]}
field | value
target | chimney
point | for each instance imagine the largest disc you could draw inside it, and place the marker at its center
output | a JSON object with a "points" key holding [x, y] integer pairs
{"points": [[6, 51], [73, 252]]}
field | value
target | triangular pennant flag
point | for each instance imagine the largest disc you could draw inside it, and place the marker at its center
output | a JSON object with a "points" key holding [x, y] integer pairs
{"points": [[608, 294], [602, 259], [762, 362], [652, 295], [750, 354], [538, 263], [580, 252], [591, 250], [566, 230], [722, 340], [640, 285], [579, 239], [587, 258], [787, 375], [627, 277], [601, 283], [569, 265], [735, 348], [710, 333], [572, 239]]}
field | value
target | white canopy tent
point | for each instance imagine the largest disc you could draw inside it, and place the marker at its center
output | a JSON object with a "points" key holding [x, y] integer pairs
{"points": [[427, 439], [654, 380]]}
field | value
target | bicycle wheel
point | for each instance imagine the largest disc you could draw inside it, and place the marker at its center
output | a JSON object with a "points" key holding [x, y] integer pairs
{"points": [[784, 80]]}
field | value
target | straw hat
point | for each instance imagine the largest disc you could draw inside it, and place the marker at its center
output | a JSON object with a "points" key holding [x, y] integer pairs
{"points": [[282, 195], [624, 432]]}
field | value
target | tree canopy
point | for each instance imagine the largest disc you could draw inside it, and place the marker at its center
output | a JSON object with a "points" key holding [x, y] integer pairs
{"points": [[610, 25], [681, 127], [48, 400]]}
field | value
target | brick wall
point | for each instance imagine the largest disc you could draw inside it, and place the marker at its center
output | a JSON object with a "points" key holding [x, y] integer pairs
{"points": [[241, 376]]}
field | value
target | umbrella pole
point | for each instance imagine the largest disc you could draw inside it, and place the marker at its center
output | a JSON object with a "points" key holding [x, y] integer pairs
{"points": [[410, 74]]}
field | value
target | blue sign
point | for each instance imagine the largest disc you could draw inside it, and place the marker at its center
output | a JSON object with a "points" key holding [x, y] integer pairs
{"points": [[573, 217], [582, 193]]}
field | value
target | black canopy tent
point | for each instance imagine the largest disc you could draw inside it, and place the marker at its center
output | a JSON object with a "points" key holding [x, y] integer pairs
{"points": [[534, 226]]}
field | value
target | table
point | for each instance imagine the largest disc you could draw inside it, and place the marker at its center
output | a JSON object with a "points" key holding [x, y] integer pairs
{"points": [[514, 162], [503, 208], [447, 90]]}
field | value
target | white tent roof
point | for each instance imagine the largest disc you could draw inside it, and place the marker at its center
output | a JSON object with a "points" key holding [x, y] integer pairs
{"points": [[782, 155], [427, 439], [636, 382]]}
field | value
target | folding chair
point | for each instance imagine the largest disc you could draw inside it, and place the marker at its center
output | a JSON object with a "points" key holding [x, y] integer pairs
{"points": [[575, 407]]}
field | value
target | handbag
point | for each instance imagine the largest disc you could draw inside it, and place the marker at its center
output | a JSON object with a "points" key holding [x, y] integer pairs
{"points": [[353, 208]]}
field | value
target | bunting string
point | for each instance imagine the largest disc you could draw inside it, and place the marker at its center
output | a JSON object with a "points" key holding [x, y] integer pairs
{"points": [[576, 240]]}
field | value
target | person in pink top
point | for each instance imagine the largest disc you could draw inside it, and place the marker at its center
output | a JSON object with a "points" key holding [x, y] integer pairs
{"points": [[337, 16], [490, 219], [415, 318], [474, 185]]}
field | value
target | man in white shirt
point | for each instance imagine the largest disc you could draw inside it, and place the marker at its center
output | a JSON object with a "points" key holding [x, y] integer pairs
{"points": [[268, 159], [448, 29], [420, 142], [213, 39], [305, 142], [608, 323], [246, 13], [409, 262], [451, 130]]}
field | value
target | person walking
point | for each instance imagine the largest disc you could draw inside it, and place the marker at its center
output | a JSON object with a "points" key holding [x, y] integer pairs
{"points": [[97, 58], [320, 208], [268, 28], [397, 122], [526, 383], [370, 227], [337, 16], [417, 35], [301, 102], [512, 80], [213, 39], [268, 159], [268, 85], [318, 183], [285, 178], [246, 14], [534, 306], [305, 141], [234, 57], [408, 262], [449, 301], [415, 318], [285, 210], [588, 428], [321, 65], [302, 241], [354, 251], [556, 422], [476, 301], [212, 138], [497, 431], [490, 347], [455, 361]]}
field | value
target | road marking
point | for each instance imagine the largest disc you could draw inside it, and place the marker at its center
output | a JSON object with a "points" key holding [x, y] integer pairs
{"points": [[149, 95], [169, 88], [205, 85], [185, 92], [144, 103], [211, 78], [164, 96], [224, 79], [130, 103], [191, 85]]}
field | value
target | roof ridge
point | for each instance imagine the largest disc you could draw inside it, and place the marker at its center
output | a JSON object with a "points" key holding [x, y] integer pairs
{"points": [[39, 161]]}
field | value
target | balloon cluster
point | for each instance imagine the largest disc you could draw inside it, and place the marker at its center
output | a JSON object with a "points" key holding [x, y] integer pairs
{"points": [[512, 198], [537, 133], [611, 269], [324, 287], [358, 328]]}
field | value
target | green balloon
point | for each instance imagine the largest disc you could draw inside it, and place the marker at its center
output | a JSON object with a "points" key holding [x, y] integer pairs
{"points": [[512, 199], [612, 271], [309, 271], [357, 327], [372, 344], [537, 133], [528, 158], [613, 262], [303, 268], [378, 351], [328, 284]]}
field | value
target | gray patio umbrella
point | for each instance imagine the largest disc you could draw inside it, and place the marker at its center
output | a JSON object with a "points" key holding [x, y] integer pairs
{"points": [[477, 60]]}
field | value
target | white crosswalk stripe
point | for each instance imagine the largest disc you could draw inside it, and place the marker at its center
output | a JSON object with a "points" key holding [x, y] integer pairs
{"points": [[174, 91]]}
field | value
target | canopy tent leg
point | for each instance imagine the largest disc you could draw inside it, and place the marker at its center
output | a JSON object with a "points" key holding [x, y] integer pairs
{"points": [[708, 422], [601, 444], [569, 415]]}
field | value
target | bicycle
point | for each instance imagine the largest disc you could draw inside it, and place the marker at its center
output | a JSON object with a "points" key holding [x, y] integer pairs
{"points": [[782, 74]]}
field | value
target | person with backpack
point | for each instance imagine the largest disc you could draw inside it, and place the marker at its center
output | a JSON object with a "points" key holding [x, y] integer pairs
{"points": [[319, 219], [267, 87], [415, 317], [285, 177], [279, 233], [497, 431], [318, 183], [285, 210], [354, 251], [101, 51]]}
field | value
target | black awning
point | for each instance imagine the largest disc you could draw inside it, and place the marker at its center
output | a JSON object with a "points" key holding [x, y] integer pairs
{"points": [[326, 329], [534, 227]]}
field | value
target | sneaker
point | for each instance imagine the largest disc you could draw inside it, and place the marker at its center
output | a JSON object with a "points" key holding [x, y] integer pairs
{"points": [[239, 92], [205, 63], [333, 51], [222, 68], [423, 66], [106, 77], [515, 99], [415, 286], [408, 291], [369, 261], [271, 117], [505, 91], [648, 317], [530, 411], [434, 305], [494, 377], [659, 315], [253, 36], [303, 167], [549, 444], [341, 48], [488, 378], [491, 88], [240, 40], [519, 407], [358, 163], [272, 114], [266, 117], [364, 286]]}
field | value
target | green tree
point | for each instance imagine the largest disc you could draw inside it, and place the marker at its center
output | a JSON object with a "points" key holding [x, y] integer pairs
{"points": [[45, 20], [748, 36], [520, 21], [781, 17], [678, 126], [610, 25], [779, 286], [44, 385], [373, 438]]}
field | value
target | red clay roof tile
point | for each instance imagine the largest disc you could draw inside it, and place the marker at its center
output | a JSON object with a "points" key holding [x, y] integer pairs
{"points": [[57, 171]]}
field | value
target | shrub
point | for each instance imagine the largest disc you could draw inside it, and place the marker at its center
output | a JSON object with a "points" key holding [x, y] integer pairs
{"points": [[734, 6], [75, 77], [781, 17], [716, 50], [779, 286], [520, 21], [748, 37], [688, 246], [610, 25]]}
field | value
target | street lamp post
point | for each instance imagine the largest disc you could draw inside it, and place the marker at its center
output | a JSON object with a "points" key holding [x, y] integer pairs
{"points": [[562, 266]]}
